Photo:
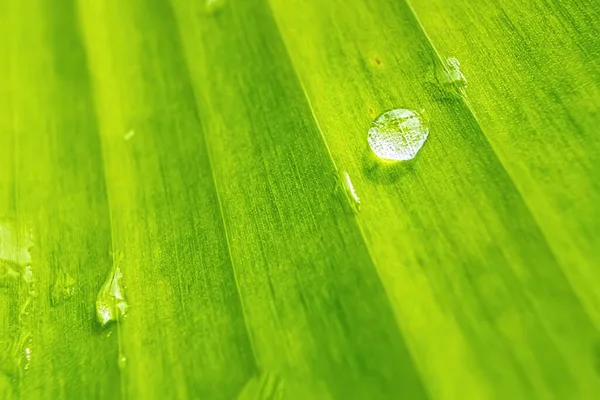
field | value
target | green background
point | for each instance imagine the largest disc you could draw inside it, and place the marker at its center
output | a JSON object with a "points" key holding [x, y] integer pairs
{"points": [[471, 272]]}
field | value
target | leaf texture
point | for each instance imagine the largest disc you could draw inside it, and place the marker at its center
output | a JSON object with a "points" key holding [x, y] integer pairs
{"points": [[203, 147]]}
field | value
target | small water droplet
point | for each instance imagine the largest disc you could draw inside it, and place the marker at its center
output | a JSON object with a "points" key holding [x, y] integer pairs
{"points": [[110, 303], [22, 350], [27, 358], [397, 135], [350, 191], [129, 135], [450, 78], [213, 6]]}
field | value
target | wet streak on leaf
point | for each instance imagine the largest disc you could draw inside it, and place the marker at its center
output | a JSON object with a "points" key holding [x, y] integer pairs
{"points": [[59, 195], [185, 334]]}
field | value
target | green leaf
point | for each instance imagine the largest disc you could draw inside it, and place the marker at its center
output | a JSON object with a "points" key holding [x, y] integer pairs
{"points": [[204, 165]]}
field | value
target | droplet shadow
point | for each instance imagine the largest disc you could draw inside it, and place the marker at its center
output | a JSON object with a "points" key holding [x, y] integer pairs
{"points": [[384, 172]]}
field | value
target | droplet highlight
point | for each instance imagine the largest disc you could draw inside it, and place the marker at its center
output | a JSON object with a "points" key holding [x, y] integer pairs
{"points": [[110, 303], [397, 135], [350, 191]]}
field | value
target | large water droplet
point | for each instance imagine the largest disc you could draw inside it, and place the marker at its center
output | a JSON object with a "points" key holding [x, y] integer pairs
{"points": [[110, 303], [397, 135]]}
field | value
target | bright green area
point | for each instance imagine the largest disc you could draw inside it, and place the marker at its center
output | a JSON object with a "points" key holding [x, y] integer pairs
{"points": [[199, 149]]}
